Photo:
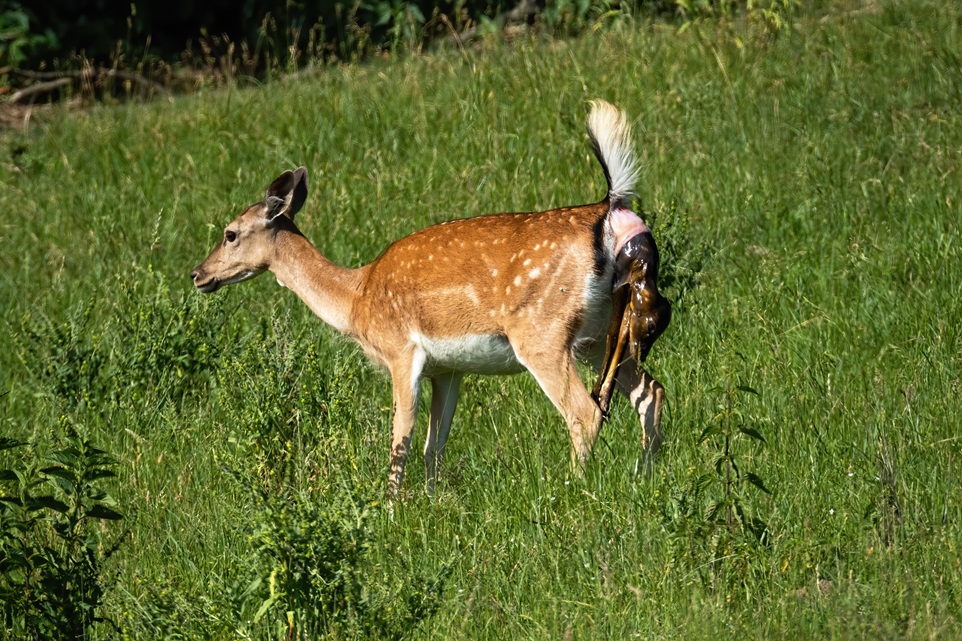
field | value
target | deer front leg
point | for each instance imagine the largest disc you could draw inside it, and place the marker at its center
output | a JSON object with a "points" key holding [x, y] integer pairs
{"points": [[445, 389], [405, 379]]}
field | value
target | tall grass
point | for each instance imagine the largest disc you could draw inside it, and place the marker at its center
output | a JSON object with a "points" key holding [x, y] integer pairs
{"points": [[816, 246]]}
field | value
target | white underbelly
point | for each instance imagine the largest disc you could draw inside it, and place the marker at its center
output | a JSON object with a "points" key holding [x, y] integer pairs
{"points": [[474, 354], [493, 354]]}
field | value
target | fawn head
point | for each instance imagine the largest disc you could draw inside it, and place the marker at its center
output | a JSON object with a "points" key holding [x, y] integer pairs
{"points": [[248, 244], [650, 311]]}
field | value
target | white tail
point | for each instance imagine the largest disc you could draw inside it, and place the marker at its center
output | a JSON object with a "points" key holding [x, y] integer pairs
{"points": [[610, 136], [494, 294]]}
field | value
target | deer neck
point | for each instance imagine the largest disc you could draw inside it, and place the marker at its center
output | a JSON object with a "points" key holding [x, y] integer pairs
{"points": [[329, 290]]}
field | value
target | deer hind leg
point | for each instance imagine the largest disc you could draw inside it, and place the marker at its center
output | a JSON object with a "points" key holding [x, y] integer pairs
{"points": [[405, 379], [558, 377], [445, 390]]}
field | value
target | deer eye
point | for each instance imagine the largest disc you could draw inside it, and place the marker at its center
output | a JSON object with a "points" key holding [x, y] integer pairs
{"points": [[230, 236]]}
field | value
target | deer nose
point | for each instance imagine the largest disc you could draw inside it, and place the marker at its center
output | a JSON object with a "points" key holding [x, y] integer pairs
{"points": [[194, 274]]}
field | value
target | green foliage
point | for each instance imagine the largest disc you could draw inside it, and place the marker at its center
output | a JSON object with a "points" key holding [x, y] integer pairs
{"points": [[567, 16], [162, 341], [570, 17], [269, 35], [814, 252], [316, 569], [277, 397], [712, 510], [66, 357], [682, 257], [154, 340], [729, 426], [54, 544], [404, 22], [774, 13], [315, 555], [19, 40]]}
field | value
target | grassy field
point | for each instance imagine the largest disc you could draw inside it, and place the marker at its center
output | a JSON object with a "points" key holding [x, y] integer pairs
{"points": [[805, 190]]}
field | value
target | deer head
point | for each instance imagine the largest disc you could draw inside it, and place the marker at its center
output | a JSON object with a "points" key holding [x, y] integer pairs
{"points": [[650, 311], [248, 246]]}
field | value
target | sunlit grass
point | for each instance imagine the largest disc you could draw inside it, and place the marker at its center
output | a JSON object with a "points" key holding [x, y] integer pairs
{"points": [[819, 172]]}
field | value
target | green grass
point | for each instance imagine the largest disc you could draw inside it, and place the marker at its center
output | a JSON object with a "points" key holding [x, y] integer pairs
{"points": [[817, 242]]}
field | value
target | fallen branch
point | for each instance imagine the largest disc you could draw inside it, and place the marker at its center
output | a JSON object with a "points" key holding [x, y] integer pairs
{"points": [[53, 80], [32, 91]]}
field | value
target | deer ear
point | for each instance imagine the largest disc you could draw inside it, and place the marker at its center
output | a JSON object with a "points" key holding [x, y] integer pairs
{"points": [[287, 194]]}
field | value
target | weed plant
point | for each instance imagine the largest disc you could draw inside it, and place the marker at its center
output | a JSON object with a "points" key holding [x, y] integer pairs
{"points": [[53, 555], [813, 253]]}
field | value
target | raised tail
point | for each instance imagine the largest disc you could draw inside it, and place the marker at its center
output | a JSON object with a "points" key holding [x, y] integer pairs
{"points": [[610, 136]]}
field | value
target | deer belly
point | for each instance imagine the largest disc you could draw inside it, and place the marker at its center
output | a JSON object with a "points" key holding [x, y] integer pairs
{"points": [[472, 353]]}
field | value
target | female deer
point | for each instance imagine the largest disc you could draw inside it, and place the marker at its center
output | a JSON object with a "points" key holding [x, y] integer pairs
{"points": [[494, 294]]}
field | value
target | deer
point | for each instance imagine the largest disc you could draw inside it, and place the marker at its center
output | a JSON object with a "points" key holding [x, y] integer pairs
{"points": [[491, 294]]}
